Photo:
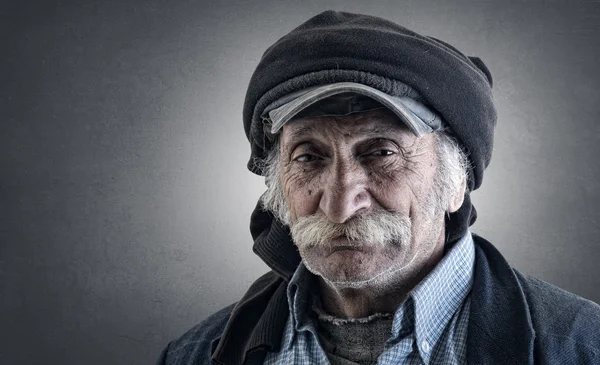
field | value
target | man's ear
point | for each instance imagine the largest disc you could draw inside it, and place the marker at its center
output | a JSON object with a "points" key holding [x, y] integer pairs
{"points": [[459, 196]]}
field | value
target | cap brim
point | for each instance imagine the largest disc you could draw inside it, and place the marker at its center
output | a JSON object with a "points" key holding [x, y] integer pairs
{"points": [[420, 123]]}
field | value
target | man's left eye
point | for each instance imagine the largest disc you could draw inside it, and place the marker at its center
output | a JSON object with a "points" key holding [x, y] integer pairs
{"points": [[382, 153]]}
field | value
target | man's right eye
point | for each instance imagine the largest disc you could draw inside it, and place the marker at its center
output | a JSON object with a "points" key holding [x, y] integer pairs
{"points": [[305, 158]]}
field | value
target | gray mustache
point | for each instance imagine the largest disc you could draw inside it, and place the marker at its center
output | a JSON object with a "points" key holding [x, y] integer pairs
{"points": [[379, 227]]}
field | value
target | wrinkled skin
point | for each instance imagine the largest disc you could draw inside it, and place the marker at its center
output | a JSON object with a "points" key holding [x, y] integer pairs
{"points": [[342, 167]]}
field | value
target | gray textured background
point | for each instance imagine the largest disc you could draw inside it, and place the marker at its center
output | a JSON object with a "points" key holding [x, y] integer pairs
{"points": [[124, 197]]}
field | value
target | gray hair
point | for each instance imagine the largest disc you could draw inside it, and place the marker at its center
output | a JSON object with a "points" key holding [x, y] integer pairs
{"points": [[452, 167]]}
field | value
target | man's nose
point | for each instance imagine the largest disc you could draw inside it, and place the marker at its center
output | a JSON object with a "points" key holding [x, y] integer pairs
{"points": [[345, 192]]}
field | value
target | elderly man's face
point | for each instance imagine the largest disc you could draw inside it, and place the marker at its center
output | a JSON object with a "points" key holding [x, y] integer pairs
{"points": [[348, 182]]}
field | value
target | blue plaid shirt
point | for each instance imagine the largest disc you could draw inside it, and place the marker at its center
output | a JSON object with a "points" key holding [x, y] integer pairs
{"points": [[429, 327]]}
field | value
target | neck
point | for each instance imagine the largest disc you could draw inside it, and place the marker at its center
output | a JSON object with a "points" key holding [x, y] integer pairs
{"points": [[380, 297]]}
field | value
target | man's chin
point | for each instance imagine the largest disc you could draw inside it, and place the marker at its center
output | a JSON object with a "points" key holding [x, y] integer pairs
{"points": [[344, 268]]}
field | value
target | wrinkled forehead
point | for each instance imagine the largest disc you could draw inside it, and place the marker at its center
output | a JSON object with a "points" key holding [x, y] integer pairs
{"points": [[376, 123]]}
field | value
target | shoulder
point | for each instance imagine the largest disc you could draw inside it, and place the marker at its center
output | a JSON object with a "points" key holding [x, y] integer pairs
{"points": [[562, 320], [196, 345]]}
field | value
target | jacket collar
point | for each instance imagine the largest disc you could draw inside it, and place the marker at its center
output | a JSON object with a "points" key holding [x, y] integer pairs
{"points": [[500, 327], [258, 320], [255, 325]]}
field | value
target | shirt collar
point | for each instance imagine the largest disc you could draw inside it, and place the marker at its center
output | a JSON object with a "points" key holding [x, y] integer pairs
{"points": [[299, 296], [439, 296]]}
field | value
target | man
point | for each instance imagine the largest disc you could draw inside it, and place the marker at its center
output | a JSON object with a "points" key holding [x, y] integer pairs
{"points": [[371, 138]]}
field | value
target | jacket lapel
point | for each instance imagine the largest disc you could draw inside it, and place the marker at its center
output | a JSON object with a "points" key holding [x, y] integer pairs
{"points": [[500, 329], [257, 322]]}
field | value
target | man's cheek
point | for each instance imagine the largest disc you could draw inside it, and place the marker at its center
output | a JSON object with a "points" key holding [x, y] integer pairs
{"points": [[301, 205]]}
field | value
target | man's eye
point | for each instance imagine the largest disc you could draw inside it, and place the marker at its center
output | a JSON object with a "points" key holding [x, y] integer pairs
{"points": [[305, 158], [383, 153]]}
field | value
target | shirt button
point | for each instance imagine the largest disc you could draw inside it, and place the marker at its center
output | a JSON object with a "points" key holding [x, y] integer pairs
{"points": [[425, 346]]}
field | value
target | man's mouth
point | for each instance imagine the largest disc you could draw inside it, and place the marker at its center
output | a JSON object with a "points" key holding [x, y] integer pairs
{"points": [[345, 248], [341, 243]]}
